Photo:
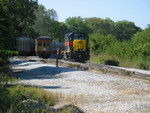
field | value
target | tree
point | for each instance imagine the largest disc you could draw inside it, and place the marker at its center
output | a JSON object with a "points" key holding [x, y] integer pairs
{"points": [[4, 23], [141, 42], [46, 23], [148, 25], [76, 24], [17, 20], [124, 30], [98, 25]]}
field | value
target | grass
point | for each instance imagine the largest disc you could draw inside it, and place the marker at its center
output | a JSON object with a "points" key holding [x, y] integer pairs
{"points": [[22, 92], [123, 62], [76, 66], [12, 96]]}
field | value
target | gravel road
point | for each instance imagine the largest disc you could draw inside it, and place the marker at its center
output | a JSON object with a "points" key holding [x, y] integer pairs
{"points": [[90, 91]]}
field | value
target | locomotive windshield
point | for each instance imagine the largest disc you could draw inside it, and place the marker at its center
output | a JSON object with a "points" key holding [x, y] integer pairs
{"points": [[75, 36], [80, 38]]}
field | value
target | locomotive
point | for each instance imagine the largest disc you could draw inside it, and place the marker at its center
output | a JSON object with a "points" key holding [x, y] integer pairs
{"points": [[76, 47]]}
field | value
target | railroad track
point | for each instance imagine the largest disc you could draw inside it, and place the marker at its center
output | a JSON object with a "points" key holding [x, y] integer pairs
{"points": [[136, 73]]}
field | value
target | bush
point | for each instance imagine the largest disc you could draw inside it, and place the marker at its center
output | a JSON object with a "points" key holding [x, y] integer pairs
{"points": [[112, 62], [4, 55], [7, 53], [100, 43]]}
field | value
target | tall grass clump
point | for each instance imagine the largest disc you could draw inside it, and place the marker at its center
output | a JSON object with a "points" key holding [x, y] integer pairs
{"points": [[11, 97], [21, 92]]}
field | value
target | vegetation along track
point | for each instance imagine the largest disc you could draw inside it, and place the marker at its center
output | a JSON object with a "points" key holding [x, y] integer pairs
{"points": [[136, 73]]}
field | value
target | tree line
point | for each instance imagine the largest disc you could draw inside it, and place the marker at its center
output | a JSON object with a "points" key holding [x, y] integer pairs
{"points": [[122, 39]]}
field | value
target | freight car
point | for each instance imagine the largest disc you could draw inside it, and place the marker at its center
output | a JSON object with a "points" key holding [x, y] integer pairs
{"points": [[26, 46], [76, 47], [43, 47]]}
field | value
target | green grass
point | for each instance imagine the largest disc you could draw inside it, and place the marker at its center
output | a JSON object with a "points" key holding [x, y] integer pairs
{"points": [[23, 92], [12, 96], [77, 66], [139, 63]]}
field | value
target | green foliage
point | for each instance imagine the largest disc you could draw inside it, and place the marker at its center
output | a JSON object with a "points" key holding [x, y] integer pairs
{"points": [[11, 97], [99, 25], [16, 19], [4, 55], [130, 53], [21, 92], [46, 23], [7, 53], [76, 24], [100, 43], [5, 77], [124, 30], [22, 16]]}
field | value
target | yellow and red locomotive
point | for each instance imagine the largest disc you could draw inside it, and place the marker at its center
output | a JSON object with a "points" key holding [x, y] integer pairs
{"points": [[76, 47]]}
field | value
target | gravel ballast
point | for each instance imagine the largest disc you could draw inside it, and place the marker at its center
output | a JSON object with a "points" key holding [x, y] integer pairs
{"points": [[91, 92]]}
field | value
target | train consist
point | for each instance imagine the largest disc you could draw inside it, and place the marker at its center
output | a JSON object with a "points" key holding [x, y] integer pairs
{"points": [[74, 48]]}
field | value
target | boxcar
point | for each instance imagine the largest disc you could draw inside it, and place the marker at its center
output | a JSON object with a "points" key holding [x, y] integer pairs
{"points": [[26, 46]]}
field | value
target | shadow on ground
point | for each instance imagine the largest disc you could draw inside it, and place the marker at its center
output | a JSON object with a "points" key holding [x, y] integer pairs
{"points": [[40, 72]]}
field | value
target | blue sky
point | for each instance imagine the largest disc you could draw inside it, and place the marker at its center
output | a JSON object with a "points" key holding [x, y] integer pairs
{"points": [[136, 11]]}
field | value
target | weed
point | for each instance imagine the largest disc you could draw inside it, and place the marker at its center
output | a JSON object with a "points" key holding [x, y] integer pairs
{"points": [[77, 66]]}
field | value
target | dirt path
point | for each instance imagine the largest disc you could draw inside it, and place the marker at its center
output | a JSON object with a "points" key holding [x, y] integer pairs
{"points": [[93, 93]]}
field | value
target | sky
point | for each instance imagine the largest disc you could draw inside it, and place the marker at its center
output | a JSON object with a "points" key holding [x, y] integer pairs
{"points": [[137, 11]]}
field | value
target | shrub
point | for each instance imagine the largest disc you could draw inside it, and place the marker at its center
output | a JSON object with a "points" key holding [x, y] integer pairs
{"points": [[112, 62], [4, 55], [100, 43]]}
